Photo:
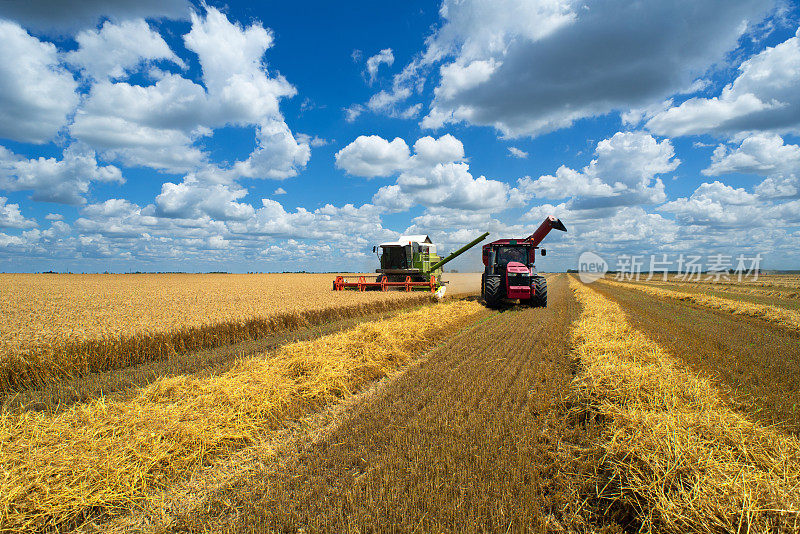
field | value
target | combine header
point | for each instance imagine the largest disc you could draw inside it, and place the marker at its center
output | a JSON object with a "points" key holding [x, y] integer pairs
{"points": [[509, 272], [409, 263]]}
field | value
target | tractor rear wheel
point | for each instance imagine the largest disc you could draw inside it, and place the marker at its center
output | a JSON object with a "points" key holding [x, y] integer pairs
{"points": [[492, 290], [539, 299]]}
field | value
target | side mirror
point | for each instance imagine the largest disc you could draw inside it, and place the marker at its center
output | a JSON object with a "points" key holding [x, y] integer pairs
{"points": [[544, 252], [374, 250]]}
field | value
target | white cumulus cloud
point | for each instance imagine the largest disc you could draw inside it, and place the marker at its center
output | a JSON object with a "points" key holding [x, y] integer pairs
{"points": [[64, 181], [622, 173], [370, 156], [517, 153], [764, 96], [722, 206], [36, 92], [762, 154], [115, 49], [11, 217], [434, 175], [158, 125], [61, 16]]}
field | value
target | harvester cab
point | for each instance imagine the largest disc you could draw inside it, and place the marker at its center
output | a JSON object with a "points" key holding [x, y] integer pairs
{"points": [[410, 255], [509, 271]]}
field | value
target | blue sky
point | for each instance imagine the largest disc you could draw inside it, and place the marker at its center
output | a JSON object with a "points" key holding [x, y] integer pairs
{"points": [[168, 135]]}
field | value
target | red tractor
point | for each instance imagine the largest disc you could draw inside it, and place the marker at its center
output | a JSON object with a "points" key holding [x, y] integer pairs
{"points": [[509, 272]]}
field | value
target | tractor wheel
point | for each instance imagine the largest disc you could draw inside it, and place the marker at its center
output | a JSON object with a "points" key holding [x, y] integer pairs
{"points": [[492, 290], [539, 299], [483, 283]]}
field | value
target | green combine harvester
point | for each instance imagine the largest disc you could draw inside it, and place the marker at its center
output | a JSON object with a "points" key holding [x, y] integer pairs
{"points": [[409, 263]]}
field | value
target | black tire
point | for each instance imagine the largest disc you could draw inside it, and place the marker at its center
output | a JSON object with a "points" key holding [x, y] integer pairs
{"points": [[493, 290], [539, 287], [483, 283]]}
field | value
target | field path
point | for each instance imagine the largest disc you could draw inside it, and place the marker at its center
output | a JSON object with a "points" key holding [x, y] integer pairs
{"points": [[755, 363], [472, 438]]}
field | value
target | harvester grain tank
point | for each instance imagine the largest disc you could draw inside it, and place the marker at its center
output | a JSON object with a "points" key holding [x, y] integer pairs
{"points": [[509, 271], [409, 263]]}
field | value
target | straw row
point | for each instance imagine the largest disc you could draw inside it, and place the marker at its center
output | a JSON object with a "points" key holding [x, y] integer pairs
{"points": [[45, 364], [773, 314], [673, 457], [741, 289], [106, 456]]}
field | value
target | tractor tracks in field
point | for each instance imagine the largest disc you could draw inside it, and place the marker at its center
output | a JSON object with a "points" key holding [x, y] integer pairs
{"points": [[475, 436]]}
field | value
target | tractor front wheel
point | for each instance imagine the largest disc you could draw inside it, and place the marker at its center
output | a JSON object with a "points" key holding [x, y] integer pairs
{"points": [[539, 287], [492, 290]]}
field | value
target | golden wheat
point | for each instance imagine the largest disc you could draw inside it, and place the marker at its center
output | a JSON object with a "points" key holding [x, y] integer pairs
{"points": [[107, 455], [672, 453], [65, 325], [780, 316]]}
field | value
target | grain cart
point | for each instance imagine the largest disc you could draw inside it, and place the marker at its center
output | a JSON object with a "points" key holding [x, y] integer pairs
{"points": [[409, 263], [509, 273]]}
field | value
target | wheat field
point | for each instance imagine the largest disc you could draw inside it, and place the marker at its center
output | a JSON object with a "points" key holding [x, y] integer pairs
{"points": [[619, 407], [53, 326]]}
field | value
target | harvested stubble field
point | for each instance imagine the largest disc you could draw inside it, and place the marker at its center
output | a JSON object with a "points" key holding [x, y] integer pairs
{"points": [[780, 296], [105, 456], [779, 281], [674, 456], [612, 410], [57, 326], [473, 438], [785, 318], [755, 361]]}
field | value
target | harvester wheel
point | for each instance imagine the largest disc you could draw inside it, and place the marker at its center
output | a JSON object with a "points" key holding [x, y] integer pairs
{"points": [[539, 299], [492, 290]]}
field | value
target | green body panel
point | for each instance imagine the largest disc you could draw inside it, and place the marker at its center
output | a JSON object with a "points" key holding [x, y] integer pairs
{"points": [[424, 261]]}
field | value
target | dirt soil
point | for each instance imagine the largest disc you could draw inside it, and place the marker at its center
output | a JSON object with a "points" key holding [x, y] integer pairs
{"points": [[755, 364], [462, 283], [475, 437]]}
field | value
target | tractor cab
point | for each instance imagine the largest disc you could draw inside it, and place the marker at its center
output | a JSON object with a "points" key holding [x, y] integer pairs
{"points": [[505, 254]]}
